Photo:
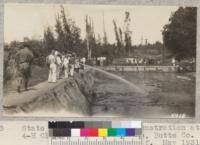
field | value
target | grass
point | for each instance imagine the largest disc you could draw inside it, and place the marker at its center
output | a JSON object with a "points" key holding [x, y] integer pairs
{"points": [[39, 74]]}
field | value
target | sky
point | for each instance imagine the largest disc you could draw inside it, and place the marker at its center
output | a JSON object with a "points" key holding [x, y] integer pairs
{"points": [[30, 20]]}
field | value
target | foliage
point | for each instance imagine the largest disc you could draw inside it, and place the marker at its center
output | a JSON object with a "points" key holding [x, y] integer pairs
{"points": [[148, 49], [67, 38], [90, 37], [60, 40], [49, 40], [72, 41], [180, 34], [118, 35]]}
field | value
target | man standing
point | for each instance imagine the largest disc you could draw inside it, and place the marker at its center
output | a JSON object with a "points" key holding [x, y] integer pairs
{"points": [[77, 65], [24, 58], [173, 61], [83, 60], [66, 66], [59, 64], [71, 62], [51, 60]]}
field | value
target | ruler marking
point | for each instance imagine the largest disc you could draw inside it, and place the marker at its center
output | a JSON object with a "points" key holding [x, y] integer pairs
{"points": [[94, 141]]}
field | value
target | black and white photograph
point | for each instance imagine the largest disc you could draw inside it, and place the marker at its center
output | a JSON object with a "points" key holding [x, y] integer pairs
{"points": [[76, 60]]}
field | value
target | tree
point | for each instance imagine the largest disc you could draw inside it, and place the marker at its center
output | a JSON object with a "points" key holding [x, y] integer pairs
{"points": [[71, 32], [179, 35], [66, 30], [49, 40], [68, 34], [90, 37], [105, 39], [127, 33], [60, 40], [118, 36], [76, 42]]}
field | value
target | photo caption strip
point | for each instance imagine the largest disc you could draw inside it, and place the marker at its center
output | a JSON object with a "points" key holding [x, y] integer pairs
{"points": [[32, 133]]}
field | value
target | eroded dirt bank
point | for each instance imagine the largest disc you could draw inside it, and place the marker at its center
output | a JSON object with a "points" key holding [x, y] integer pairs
{"points": [[50, 97]]}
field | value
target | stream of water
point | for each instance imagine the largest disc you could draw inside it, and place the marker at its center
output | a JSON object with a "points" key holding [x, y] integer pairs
{"points": [[130, 84]]}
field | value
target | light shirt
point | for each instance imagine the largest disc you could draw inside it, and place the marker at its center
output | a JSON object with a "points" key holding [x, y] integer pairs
{"points": [[58, 60], [65, 61], [51, 59], [83, 60]]}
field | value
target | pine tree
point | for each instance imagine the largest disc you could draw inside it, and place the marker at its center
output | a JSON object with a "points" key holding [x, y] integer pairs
{"points": [[61, 44], [71, 32], [118, 39], [90, 37], [49, 40]]}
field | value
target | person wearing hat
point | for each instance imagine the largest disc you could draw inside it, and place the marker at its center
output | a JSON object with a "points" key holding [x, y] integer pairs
{"points": [[24, 58], [66, 66], [51, 60], [71, 65], [58, 64]]}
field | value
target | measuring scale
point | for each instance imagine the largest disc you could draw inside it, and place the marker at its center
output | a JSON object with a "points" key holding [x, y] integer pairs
{"points": [[95, 133]]}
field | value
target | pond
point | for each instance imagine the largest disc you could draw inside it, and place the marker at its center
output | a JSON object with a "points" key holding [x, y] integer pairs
{"points": [[161, 94]]}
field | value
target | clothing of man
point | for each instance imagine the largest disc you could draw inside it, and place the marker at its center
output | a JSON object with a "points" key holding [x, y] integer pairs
{"points": [[71, 70], [173, 61], [83, 60], [66, 67], [72, 61], [24, 59], [52, 68], [59, 65], [77, 65]]}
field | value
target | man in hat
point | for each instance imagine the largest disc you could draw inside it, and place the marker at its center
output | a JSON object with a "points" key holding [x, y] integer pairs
{"points": [[66, 66], [58, 64], [24, 58], [51, 61], [71, 65]]}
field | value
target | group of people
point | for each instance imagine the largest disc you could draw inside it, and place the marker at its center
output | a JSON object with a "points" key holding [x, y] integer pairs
{"points": [[142, 61], [62, 64]]}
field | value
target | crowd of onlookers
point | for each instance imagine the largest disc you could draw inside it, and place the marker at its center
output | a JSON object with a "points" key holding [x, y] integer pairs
{"points": [[136, 61], [142, 61], [63, 65]]}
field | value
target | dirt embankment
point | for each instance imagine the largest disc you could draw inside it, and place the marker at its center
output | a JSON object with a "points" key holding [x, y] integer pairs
{"points": [[51, 97]]}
